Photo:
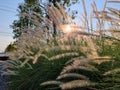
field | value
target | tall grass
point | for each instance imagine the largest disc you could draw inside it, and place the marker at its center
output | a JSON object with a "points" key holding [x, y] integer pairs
{"points": [[79, 60]]}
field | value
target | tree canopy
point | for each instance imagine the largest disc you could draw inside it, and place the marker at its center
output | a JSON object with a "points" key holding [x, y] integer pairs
{"points": [[29, 7]]}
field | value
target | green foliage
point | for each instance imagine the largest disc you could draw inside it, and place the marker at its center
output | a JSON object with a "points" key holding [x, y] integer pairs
{"points": [[43, 70], [10, 47], [112, 50], [67, 73], [64, 2], [98, 80], [24, 22], [58, 66], [30, 7]]}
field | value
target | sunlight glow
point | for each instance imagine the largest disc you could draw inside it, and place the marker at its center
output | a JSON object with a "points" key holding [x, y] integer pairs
{"points": [[66, 28], [69, 28], [119, 23]]}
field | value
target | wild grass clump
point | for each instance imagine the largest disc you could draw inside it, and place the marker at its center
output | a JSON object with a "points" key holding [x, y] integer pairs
{"points": [[78, 60]]}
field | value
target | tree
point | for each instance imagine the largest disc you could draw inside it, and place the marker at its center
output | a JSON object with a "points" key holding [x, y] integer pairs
{"points": [[24, 22], [29, 7], [10, 47], [64, 2]]}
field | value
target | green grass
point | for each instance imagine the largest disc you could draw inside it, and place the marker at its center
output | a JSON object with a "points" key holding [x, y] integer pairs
{"points": [[43, 70], [27, 78]]}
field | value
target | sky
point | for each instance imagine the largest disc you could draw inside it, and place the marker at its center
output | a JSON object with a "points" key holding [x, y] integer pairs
{"points": [[8, 13]]}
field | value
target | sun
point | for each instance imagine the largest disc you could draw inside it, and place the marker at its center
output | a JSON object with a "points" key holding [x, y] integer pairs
{"points": [[69, 28], [119, 23], [66, 28]]}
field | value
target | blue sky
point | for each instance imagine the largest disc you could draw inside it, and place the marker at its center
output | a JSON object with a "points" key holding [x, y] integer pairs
{"points": [[8, 12]]}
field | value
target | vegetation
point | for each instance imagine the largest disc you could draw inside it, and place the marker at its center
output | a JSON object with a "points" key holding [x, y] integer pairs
{"points": [[74, 60], [33, 7], [11, 47], [30, 6]]}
